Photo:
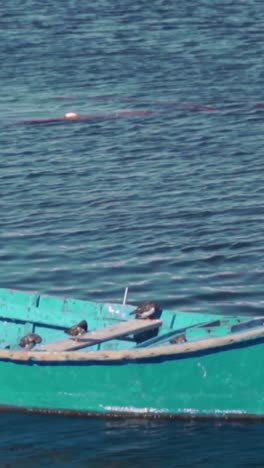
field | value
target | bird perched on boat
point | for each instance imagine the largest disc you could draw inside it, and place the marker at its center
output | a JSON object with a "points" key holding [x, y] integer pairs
{"points": [[30, 340], [77, 330], [179, 339], [147, 310]]}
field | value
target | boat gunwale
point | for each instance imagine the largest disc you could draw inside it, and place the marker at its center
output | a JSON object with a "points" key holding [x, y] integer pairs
{"points": [[132, 354]]}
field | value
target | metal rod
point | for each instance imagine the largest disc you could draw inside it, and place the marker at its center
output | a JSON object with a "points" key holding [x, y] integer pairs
{"points": [[125, 296]]}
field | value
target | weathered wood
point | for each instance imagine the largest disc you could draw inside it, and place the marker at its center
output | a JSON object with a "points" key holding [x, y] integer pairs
{"points": [[132, 354], [103, 334]]}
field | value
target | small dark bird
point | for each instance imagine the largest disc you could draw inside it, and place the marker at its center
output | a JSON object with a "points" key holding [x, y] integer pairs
{"points": [[29, 341], [77, 330], [147, 310], [179, 339]]}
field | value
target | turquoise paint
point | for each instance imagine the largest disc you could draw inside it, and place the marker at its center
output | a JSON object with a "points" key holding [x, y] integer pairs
{"points": [[212, 382], [209, 384]]}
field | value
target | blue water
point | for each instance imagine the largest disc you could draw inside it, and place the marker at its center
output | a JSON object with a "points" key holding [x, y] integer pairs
{"points": [[169, 203]]}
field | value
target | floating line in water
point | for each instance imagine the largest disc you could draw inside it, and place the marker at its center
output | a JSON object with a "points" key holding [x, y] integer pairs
{"points": [[74, 117], [171, 106]]}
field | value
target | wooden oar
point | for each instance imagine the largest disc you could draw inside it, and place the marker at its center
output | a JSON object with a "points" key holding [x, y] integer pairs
{"points": [[163, 338]]}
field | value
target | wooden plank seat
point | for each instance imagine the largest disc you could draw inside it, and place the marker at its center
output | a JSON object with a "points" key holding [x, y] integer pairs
{"points": [[111, 332]]}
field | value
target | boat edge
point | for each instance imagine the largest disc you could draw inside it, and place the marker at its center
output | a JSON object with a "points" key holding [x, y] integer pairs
{"points": [[185, 349]]}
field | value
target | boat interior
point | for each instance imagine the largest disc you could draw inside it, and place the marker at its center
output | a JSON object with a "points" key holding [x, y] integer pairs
{"points": [[110, 326]]}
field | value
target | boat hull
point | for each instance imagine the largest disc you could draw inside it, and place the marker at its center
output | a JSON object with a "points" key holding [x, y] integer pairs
{"points": [[226, 382]]}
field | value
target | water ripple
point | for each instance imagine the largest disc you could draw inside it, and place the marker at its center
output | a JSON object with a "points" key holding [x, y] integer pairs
{"points": [[168, 202]]}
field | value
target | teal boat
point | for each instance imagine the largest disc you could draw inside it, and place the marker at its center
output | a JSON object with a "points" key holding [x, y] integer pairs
{"points": [[176, 364]]}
